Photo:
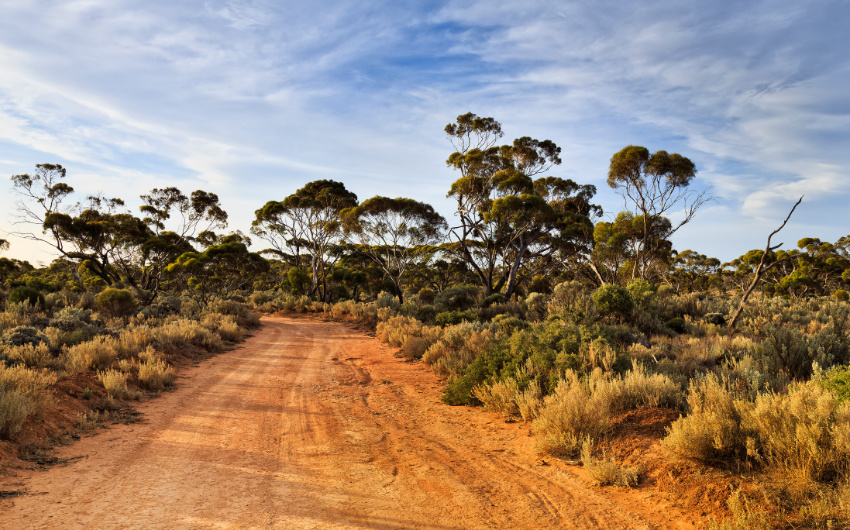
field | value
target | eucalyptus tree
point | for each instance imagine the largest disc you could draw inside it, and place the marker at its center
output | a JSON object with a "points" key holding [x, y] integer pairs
{"points": [[654, 184], [511, 226], [199, 212], [307, 220], [225, 266], [396, 234]]}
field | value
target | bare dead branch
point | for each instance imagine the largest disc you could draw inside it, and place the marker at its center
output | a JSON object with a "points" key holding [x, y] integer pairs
{"points": [[761, 268]]}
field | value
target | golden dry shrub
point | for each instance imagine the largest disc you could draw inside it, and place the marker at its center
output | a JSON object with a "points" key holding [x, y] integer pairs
{"points": [[804, 432], [396, 330], [115, 384], [98, 353], [530, 401], [570, 415], [181, 333], [132, 341], [457, 347], [745, 515], [635, 389], [226, 326], [230, 330], [30, 355], [500, 396], [23, 393], [607, 471], [155, 374], [414, 348], [712, 431]]}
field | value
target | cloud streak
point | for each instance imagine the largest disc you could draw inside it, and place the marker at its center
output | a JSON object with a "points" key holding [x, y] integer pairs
{"points": [[255, 98]]}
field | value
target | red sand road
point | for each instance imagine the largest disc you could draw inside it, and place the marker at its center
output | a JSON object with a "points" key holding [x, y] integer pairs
{"points": [[311, 424]]}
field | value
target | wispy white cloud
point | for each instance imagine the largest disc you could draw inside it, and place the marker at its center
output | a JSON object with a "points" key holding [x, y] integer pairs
{"points": [[223, 93]]}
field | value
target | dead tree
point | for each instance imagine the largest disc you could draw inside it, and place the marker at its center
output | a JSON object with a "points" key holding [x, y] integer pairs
{"points": [[762, 268]]}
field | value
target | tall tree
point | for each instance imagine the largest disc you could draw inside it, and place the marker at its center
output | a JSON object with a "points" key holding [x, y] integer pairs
{"points": [[654, 184], [308, 219], [223, 268], [199, 212], [397, 234], [512, 226]]}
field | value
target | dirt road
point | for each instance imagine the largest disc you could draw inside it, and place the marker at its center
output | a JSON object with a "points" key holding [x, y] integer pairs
{"points": [[313, 425]]}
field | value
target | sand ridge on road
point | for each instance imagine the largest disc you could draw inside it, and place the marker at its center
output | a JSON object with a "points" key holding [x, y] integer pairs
{"points": [[311, 424]]}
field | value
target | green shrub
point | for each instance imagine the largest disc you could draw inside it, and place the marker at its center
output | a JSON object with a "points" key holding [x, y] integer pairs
{"points": [[451, 318], [642, 293], [457, 348], [665, 291], [786, 348], [536, 306], [495, 298], [613, 300], [836, 380], [426, 314], [427, 296], [458, 298], [572, 300], [539, 352], [841, 295], [115, 302], [677, 324], [24, 293]]}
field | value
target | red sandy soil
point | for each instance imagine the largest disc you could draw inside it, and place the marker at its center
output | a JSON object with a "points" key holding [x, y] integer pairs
{"points": [[312, 424]]}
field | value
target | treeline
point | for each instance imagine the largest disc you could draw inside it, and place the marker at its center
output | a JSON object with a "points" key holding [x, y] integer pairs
{"points": [[517, 232]]}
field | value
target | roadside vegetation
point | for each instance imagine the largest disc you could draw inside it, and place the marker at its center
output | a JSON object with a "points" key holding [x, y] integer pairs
{"points": [[533, 306]]}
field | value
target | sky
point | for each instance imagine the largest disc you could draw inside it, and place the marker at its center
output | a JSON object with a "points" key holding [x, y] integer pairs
{"points": [[251, 99]]}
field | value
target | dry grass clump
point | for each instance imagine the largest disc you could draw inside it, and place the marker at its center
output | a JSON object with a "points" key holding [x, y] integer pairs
{"points": [[414, 348], [98, 353], [132, 341], [571, 414], [23, 393], [59, 338], [398, 329], [636, 388], [746, 515], [225, 326], [115, 383], [508, 399], [20, 314], [607, 471], [804, 433], [181, 333], [153, 372], [30, 355], [410, 334], [712, 431], [366, 314], [458, 347], [500, 396]]}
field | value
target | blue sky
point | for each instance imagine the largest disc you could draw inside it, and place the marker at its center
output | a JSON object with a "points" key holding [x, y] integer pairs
{"points": [[252, 99]]}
